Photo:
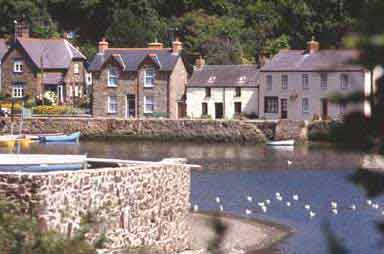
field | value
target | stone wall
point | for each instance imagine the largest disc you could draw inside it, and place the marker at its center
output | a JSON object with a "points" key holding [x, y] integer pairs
{"points": [[165, 129], [135, 206]]}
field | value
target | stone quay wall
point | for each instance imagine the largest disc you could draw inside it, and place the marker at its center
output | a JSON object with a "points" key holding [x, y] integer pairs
{"points": [[165, 129], [135, 206]]}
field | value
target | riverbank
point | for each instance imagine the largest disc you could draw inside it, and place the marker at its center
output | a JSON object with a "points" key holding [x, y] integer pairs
{"points": [[226, 131], [243, 235]]}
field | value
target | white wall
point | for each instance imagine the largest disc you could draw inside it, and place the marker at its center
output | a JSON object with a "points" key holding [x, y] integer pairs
{"points": [[358, 81], [196, 96]]}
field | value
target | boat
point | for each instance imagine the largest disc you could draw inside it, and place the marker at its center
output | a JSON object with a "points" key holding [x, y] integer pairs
{"points": [[41, 162], [289, 142], [74, 137]]}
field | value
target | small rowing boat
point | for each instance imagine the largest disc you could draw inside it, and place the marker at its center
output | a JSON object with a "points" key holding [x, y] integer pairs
{"points": [[289, 142], [74, 137]]}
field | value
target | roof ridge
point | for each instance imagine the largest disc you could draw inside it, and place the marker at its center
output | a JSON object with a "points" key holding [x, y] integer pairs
{"points": [[138, 49], [41, 39]]}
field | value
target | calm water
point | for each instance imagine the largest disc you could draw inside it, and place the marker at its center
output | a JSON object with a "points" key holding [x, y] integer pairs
{"points": [[318, 175]]}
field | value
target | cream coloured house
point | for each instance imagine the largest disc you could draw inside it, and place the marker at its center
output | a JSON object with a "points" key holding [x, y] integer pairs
{"points": [[222, 91], [296, 84]]}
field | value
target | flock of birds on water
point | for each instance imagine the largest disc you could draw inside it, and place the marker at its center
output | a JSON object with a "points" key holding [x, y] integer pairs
{"points": [[263, 206]]}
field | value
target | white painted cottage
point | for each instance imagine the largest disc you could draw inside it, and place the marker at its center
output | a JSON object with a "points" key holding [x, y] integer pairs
{"points": [[296, 84], [222, 91]]}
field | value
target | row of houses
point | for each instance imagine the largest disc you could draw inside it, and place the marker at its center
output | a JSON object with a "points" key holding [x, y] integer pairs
{"points": [[153, 81]]}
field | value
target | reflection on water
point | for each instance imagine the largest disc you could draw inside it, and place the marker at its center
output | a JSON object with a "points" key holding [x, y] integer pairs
{"points": [[317, 174]]}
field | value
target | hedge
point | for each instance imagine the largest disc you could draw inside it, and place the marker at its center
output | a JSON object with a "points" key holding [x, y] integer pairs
{"points": [[54, 110]]}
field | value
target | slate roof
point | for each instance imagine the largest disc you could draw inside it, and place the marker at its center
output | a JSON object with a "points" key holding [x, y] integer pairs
{"points": [[57, 53], [323, 60], [53, 78], [225, 76], [3, 48], [132, 58]]}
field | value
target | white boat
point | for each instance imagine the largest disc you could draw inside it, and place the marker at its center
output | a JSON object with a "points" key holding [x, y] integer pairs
{"points": [[289, 142], [41, 162]]}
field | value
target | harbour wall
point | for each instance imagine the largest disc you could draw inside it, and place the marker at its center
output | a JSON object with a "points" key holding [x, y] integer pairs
{"points": [[235, 131], [135, 206]]}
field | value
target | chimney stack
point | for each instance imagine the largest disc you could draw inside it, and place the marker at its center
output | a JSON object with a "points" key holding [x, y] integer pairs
{"points": [[177, 46], [313, 46], [103, 45], [155, 45], [199, 63], [21, 29]]}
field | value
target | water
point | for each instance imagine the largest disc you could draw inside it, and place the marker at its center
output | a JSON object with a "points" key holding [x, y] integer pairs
{"points": [[317, 174]]}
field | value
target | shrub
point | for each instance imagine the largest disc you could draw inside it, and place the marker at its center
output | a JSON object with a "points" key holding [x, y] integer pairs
{"points": [[206, 117], [157, 114], [8, 106], [54, 110]]}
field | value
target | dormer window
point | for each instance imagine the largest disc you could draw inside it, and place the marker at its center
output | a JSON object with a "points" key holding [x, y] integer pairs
{"points": [[18, 66], [242, 79], [149, 77], [113, 76], [212, 79]]}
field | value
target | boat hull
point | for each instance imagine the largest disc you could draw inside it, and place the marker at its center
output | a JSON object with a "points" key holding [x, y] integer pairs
{"points": [[60, 138], [281, 143]]}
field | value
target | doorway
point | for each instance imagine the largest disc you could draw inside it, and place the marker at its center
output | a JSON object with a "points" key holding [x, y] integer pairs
{"points": [[219, 110], [324, 108], [284, 108], [131, 106]]}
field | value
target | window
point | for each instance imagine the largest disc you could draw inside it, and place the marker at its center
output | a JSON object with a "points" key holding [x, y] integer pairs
{"points": [[269, 82], [305, 82], [284, 82], [323, 80], [18, 66], [344, 81], [76, 91], [18, 90], [112, 104], [76, 68], [149, 77], [207, 92], [212, 79], [238, 92], [305, 105], [204, 108], [237, 108], [149, 104], [113, 77], [343, 108], [271, 104]]}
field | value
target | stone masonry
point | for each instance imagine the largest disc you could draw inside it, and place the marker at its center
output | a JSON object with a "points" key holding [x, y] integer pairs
{"points": [[135, 206]]}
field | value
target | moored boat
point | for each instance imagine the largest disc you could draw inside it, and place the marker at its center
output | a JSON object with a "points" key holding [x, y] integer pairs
{"points": [[74, 137], [289, 142]]}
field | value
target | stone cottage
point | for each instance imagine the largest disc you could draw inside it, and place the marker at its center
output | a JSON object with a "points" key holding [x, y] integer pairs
{"points": [[138, 82], [33, 66], [223, 91], [296, 84]]}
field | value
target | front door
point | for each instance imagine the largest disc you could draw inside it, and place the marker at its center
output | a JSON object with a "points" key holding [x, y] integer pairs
{"points": [[284, 108], [131, 105], [324, 109], [181, 110], [219, 110]]}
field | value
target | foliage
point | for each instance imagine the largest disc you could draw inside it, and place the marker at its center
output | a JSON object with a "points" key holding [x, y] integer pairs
{"points": [[55, 110], [23, 236], [7, 105], [157, 114]]}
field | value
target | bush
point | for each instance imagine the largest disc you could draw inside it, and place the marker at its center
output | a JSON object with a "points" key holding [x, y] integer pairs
{"points": [[206, 117], [55, 110], [8, 106], [157, 114]]}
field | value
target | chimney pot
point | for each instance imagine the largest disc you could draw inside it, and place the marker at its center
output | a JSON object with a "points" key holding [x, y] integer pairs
{"points": [[21, 29], [155, 45], [177, 46], [103, 45], [313, 46]]}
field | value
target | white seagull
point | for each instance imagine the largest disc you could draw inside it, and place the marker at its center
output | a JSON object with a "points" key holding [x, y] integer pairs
{"points": [[261, 204], [264, 209], [308, 207], [195, 208], [312, 214], [375, 206], [353, 207], [249, 198], [268, 202], [248, 212], [221, 208], [217, 199], [334, 205], [289, 163], [369, 202], [335, 212], [288, 203], [295, 197], [279, 198]]}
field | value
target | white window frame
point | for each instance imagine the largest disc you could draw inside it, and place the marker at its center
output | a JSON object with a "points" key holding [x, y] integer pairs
{"points": [[305, 81], [18, 90], [284, 82], [271, 104], [113, 76], [110, 108], [76, 68], [344, 81], [76, 91], [149, 77], [305, 105], [269, 80], [147, 103], [18, 66], [324, 81]]}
